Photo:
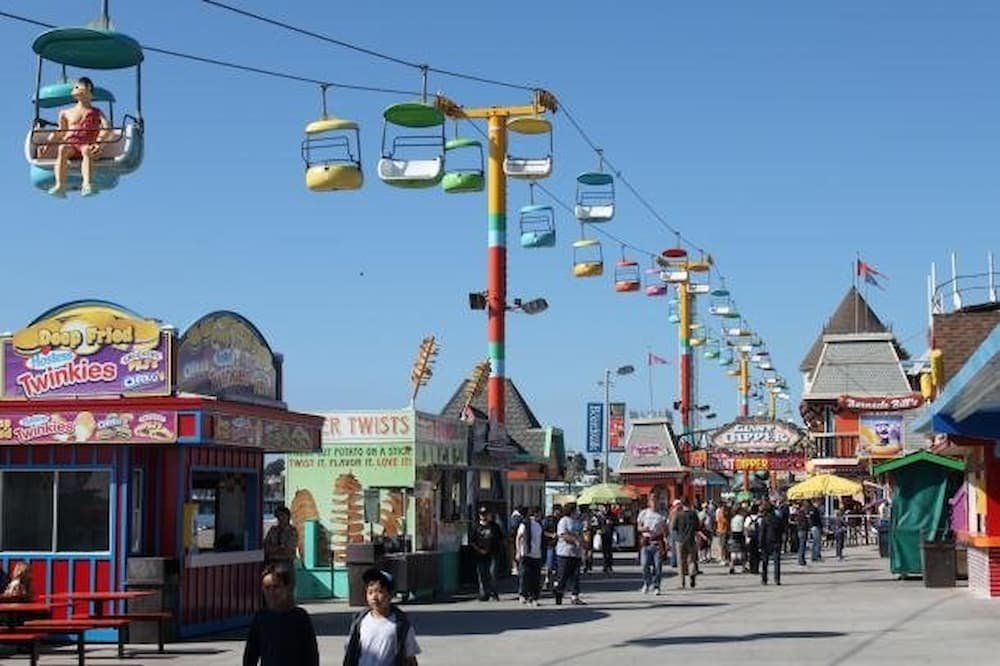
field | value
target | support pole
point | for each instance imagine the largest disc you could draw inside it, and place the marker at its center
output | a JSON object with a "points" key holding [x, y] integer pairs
{"points": [[744, 384], [607, 425], [684, 340], [496, 266], [772, 411]]}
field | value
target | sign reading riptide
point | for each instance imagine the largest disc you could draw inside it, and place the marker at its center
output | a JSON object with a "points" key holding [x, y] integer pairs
{"points": [[86, 349]]}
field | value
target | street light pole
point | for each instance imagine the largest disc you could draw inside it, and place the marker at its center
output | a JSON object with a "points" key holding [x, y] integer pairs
{"points": [[607, 425]]}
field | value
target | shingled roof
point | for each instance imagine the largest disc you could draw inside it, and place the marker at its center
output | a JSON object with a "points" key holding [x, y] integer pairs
{"points": [[522, 425], [853, 315], [860, 364]]}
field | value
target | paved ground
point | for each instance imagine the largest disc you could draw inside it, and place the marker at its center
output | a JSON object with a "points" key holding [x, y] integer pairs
{"points": [[850, 612]]}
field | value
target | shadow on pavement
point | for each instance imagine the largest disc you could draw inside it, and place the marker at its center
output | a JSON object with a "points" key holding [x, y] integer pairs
{"points": [[470, 622], [734, 638]]}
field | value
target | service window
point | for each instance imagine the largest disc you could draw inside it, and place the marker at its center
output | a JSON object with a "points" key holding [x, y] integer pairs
{"points": [[55, 511], [223, 507]]}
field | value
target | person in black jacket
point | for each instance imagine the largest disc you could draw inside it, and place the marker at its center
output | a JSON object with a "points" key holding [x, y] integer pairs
{"points": [[281, 634], [381, 635], [770, 535], [487, 542]]}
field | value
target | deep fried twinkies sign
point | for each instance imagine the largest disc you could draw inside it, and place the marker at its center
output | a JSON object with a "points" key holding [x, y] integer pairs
{"points": [[86, 349]]}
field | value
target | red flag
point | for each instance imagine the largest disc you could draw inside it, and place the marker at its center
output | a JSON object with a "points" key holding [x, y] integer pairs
{"points": [[656, 360], [865, 269]]}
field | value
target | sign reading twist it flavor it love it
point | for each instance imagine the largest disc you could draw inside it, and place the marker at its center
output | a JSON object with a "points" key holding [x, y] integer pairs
{"points": [[86, 349]]}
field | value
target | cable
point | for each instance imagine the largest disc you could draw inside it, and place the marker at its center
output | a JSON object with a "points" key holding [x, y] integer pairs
{"points": [[237, 66], [361, 49], [562, 204]]}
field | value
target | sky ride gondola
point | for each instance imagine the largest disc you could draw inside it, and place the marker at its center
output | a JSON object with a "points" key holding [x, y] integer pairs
{"points": [[627, 275], [331, 151], [412, 159], [726, 356], [595, 195], [537, 222], [588, 258], [673, 316], [654, 285], [711, 348], [458, 178], [120, 146], [528, 168]]}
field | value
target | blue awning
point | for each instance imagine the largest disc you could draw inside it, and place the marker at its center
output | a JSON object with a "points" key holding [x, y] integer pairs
{"points": [[969, 405]]}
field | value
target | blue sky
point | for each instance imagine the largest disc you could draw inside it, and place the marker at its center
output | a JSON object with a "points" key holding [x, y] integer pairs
{"points": [[780, 136]]}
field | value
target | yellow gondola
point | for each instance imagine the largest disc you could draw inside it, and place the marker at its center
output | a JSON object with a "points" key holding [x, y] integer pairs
{"points": [[588, 258], [331, 165]]}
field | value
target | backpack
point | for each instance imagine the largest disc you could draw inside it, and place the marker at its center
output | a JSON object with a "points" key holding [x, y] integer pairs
{"points": [[353, 653]]}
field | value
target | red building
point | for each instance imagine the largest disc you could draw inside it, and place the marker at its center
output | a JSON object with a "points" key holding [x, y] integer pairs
{"points": [[125, 451]]}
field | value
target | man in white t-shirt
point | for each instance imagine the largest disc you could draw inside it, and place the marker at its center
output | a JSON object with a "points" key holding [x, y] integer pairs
{"points": [[380, 633], [528, 543], [652, 527], [569, 535]]}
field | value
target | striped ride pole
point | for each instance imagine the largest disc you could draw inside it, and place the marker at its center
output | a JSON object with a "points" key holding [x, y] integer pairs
{"points": [[496, 265]]}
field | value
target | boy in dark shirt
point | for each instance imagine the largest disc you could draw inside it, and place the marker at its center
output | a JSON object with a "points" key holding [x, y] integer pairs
{"points": [[281, 634]]}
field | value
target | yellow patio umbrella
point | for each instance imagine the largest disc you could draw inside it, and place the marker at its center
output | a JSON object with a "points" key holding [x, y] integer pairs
{"points": [[607, 493], [823, 485]]}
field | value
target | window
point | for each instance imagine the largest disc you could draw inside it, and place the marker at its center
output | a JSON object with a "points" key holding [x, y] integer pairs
{"points": [[46, 511], [222, 510], [27, 510], [82, 510]]}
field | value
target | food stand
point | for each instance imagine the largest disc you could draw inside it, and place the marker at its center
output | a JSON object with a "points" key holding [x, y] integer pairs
{"points": [[110, 430], [412, 469]]}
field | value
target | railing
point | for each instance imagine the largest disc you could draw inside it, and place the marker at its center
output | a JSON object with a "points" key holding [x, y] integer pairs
{"points": [[834, 445]]}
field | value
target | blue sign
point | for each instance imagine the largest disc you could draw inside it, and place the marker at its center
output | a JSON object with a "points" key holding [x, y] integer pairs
{"points": [[595, 427]]}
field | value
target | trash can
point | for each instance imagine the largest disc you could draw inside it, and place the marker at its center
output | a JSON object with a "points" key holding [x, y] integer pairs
{"points": [[883, 539], [360, 557], [939, 563], [161, 575]]}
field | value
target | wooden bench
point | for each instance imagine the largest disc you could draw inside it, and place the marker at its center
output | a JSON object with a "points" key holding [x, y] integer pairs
{"points": [[21, 637], [79, 626], [160, 617]]}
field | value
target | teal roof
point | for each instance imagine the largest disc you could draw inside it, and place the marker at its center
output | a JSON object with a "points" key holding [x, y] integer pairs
{"points": [[594, 178], [919, 456], [61, 94], [88, 48]]}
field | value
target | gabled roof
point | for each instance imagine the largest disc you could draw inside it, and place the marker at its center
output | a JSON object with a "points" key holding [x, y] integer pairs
{"points": [[862, 364], [919, 456], [520, 421], [853, 315], [650, 447]]}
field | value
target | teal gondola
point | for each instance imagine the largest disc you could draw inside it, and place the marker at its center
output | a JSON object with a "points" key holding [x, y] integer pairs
{"points": [[121, 142]]}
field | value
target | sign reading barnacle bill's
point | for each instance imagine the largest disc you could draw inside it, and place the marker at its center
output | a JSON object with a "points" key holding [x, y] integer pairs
{"points": [[86, 349], [757, 444]]}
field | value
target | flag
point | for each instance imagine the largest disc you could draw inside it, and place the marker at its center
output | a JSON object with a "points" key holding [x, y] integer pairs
{"points": [[656, 360], [867, 272]]}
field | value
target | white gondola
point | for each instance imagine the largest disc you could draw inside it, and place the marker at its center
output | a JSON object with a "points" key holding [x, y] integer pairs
{"points": [[528, 168]]}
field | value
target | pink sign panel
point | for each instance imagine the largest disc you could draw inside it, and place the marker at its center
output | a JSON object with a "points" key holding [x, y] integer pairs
{"points": [[85, 427]]}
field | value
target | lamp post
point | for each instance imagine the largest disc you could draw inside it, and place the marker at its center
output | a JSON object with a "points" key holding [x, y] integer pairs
{"points": [[606, 444]]}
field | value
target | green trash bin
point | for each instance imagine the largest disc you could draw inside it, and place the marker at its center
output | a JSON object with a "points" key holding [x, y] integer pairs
{"points": [[939, 563]]}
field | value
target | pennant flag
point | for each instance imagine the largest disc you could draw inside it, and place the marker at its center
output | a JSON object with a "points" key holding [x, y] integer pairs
{"points": [[867, 272], [656, 360]]}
